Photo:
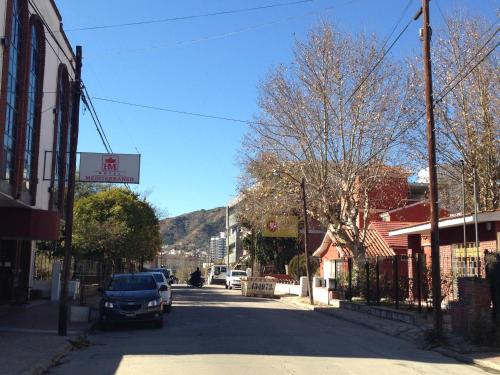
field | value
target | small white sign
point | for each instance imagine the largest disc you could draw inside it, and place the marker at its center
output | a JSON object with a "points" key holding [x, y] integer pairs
{"points": [[109, 168]]}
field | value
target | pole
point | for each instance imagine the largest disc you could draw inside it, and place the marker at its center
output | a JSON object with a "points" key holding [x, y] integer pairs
{"points": [[227, 238], [306, 234], [463, 214], [476, 233], [70, 196], [433, 191]]}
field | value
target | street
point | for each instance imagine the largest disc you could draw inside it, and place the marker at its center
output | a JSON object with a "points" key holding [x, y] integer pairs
{"points": [[217, 331]]}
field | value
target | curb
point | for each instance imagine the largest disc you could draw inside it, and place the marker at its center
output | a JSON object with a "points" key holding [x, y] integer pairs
{"points": [[68, 347], [480, 363]]}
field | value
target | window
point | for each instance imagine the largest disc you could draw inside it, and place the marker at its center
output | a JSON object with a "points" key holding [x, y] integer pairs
{"points": [[14, 88], [465, 260], [34, 93]]}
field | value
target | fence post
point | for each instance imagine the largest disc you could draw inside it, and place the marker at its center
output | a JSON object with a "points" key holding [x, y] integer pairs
{"points": [[349, 271], [367, 270], [419, 281], [377, 274], [395, 280]]}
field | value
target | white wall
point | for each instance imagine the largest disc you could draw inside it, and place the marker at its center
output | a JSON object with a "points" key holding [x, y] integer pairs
{"points": [[52, 61]]}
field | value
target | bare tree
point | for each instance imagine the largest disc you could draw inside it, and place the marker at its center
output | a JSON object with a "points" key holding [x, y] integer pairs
{"points": [[468, 126], [326, 119]]}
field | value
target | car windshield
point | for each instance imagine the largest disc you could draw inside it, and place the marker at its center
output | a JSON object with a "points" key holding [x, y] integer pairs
{"points": [[239, 273], [158, 277], [131, 283]]}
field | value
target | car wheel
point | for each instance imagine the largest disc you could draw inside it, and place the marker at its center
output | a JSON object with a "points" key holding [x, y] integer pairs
{"points": [[230, 287]]}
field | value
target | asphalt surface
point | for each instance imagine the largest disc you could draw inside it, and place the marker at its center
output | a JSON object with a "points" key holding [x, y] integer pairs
{"points": [[217, 331]]}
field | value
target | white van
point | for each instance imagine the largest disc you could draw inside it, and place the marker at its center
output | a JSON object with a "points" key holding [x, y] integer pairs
{"points": [[217, 274]]}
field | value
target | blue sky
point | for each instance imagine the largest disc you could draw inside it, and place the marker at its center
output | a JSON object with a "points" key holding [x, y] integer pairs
{"points": [[209, 65]]}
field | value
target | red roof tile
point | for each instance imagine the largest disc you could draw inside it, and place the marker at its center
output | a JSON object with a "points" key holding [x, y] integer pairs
{"points": [[374, 243], [384, 227]]}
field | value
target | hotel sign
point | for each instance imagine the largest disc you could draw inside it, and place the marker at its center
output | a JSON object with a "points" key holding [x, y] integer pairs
{"points": [[109, 168]]}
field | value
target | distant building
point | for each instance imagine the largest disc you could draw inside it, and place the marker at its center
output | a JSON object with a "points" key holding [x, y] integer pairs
{"points": [[234, 230], [218, 246]]}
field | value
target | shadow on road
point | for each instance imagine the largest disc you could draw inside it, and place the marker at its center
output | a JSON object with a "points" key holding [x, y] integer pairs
{"points": [[212, 321]]}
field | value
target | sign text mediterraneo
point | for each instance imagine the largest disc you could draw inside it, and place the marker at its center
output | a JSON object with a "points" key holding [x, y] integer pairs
{"points": [[109, 168]]}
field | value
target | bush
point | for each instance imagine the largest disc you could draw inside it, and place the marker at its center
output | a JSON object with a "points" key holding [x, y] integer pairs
{"points": [[292, 266]]}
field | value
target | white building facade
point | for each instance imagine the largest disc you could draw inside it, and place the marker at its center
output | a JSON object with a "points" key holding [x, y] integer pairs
{"points": [[218, 247], [36, 73]]}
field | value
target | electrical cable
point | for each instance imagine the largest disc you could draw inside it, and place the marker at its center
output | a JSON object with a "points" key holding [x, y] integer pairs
{"points": [[116, 101], [92, 108], [163, 20], [379, 60], [51, 33]]}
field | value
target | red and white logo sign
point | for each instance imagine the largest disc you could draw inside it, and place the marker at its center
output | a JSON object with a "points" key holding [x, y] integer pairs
{"points": [[109, 168], [272, 226], [110, 163]]}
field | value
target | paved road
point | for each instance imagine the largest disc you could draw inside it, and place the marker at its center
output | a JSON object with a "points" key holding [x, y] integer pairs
{"points": [[216, 331]]}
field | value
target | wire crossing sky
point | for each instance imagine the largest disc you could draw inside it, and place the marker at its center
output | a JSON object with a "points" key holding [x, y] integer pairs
{"points": [[199, 63]]}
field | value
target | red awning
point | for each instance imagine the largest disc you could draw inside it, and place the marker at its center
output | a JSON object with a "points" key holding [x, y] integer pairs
{"points": [[29, 224]]}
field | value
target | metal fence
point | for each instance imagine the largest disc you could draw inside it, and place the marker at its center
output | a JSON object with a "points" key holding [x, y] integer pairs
{"points": [[397, 281]]}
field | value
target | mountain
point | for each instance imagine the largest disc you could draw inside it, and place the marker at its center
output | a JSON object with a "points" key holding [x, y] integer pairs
{"points": [[193, 230]]}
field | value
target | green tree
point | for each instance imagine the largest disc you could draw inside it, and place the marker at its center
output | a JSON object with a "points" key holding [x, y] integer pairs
{"points": [[276, 251], [115, 224]]}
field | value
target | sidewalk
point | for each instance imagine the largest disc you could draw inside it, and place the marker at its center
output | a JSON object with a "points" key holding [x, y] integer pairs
{"points": [[456, 348], [29, 343]]}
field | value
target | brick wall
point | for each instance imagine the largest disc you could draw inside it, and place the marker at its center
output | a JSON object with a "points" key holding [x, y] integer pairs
{"points": [[474, 300]]}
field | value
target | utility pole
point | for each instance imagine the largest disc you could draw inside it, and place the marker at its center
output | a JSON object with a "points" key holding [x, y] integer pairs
{"points": [[433, 191], [227, 238], [70, 196], [463, 214], [306, 234], [476, 232]]}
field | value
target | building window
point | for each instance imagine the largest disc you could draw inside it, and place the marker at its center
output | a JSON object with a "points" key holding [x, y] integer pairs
{"points": [[60, 136], [34, 96], [13, 94], [465, 260]]}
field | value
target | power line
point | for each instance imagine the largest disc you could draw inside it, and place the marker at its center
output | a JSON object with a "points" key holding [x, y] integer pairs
{"points": [[95, 118], [469, 72], [229, 33], [358, 87], [51, 33], [180, 18], [176, 111]]}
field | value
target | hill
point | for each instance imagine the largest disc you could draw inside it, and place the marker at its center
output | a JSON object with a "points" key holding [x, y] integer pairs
{"points": [[193, 230]]}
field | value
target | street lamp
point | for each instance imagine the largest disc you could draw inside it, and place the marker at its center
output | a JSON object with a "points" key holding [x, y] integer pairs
{"points": [[302, 183]]}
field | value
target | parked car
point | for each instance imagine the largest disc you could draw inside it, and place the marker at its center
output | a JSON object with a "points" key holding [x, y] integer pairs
{"points": [[217, 274], [164, 271], [166, 295], [233, 280], [131, 297]]}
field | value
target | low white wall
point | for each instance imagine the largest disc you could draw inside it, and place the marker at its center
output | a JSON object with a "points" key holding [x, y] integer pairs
{"points": [[321, 295], [285, 289]]}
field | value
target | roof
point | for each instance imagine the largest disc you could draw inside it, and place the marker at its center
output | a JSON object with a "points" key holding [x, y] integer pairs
{"points": [[402, 208], [374, 243], [448, 222], [384, 227]]}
